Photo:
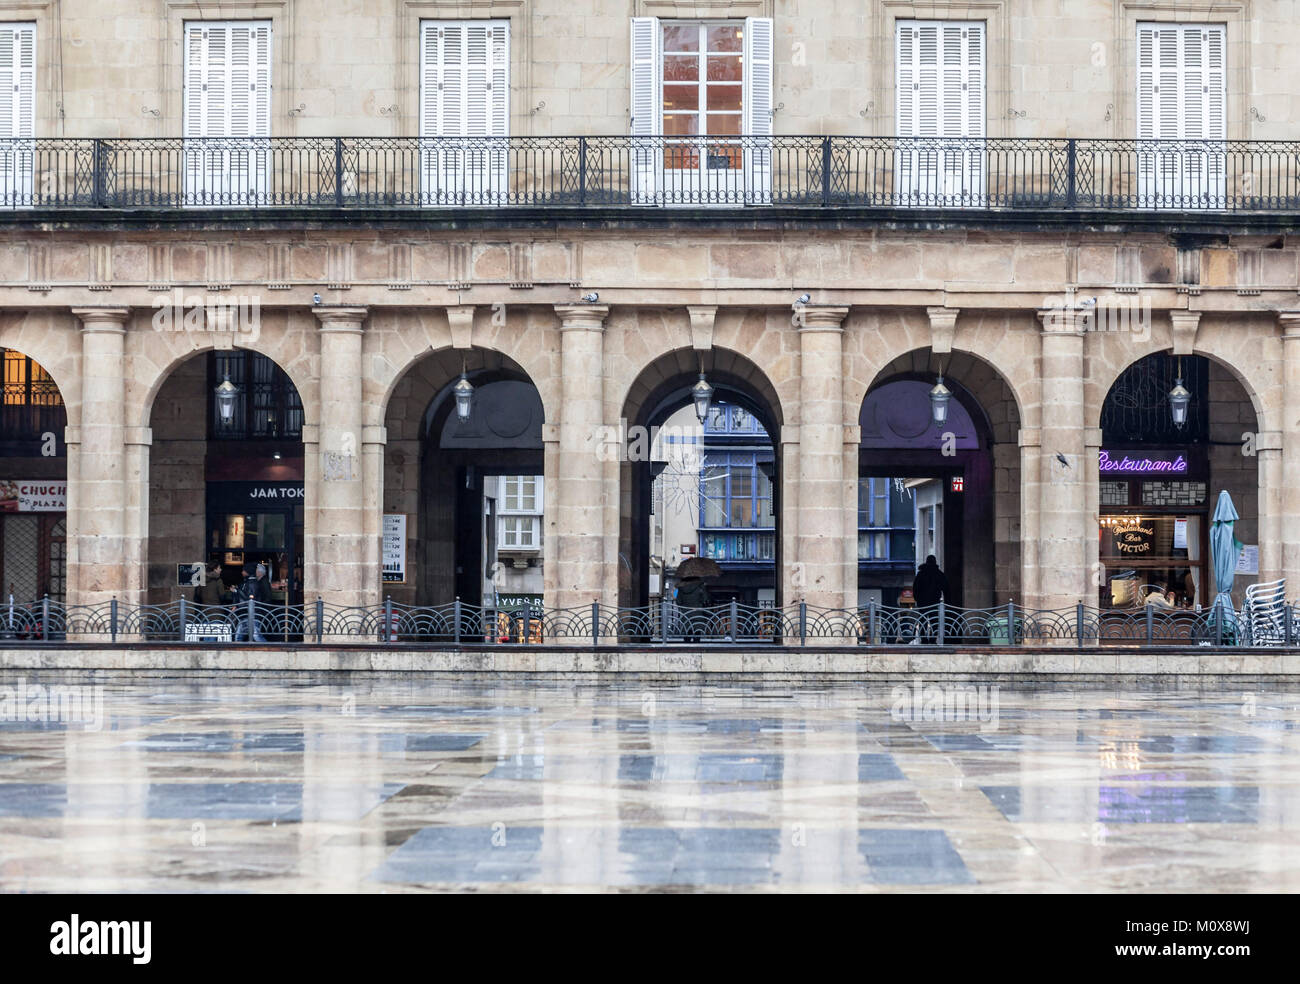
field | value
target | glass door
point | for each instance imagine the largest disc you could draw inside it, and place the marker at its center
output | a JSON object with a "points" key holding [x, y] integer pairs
{"points": [[703, 95]]}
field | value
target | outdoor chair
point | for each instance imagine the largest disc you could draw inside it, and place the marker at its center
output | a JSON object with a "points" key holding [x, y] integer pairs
{"points": [[1264, 613]]}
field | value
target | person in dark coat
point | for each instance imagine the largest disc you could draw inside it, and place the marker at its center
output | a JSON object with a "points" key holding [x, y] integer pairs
{"points": [[692, 595], [256, 587], [929, 588]]}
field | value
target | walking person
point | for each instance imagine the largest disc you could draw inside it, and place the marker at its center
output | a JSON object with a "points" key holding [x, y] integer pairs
{"points": [[692, 597], [929, 588], [255, 587]]}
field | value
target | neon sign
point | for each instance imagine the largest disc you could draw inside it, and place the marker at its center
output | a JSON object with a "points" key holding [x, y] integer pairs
{"points": [[1142, 463]]}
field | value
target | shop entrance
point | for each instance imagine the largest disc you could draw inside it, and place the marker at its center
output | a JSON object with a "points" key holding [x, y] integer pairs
{"points": [[258, 523], [924, 489]]}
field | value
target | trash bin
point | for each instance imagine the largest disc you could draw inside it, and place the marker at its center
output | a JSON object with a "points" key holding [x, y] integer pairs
{"points": [[998, 634]]}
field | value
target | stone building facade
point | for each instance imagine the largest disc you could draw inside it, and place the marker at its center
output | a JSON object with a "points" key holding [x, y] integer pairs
{"points": [[374, 312]]}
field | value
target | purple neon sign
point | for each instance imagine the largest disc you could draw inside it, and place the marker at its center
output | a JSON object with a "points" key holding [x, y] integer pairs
{"points": [[1142, 463]]}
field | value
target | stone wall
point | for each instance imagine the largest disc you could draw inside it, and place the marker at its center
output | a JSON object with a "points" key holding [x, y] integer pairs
{"points": [[177, 479]]}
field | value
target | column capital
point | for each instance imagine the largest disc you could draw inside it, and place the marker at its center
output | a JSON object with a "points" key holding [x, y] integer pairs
{"points": [[1290, 322], [582, 317], [1062, 321], [340, 318], [821, 317], [110, 319]]}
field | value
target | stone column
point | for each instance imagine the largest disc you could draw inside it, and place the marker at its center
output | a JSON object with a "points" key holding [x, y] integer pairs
{"points": [[1030, 497], [338, 558], [820, 518], [1290, 432], [374, 440], [1269, 465], [1064, 514], [581, 570], [99, 550]]}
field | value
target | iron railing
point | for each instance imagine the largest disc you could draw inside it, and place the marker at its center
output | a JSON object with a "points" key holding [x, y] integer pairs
{"points": [[631, 171], [48, 620]]}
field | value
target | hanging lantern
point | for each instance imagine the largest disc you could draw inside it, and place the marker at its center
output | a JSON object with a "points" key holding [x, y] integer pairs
{"points": [[464, 391], [939, 397], [1179, 399], [226, 393], [702, 395]]}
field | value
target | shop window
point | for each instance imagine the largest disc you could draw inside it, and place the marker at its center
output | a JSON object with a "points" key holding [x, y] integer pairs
{"points": [[32, 403]]}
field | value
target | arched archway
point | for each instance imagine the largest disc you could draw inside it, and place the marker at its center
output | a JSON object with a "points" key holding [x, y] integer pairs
{"points": [[471, 492], [1158, 479], [225, 490], [33, 482], [712, 487], [951, 490]]}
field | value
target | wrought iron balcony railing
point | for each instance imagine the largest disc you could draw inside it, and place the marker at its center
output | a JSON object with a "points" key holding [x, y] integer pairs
{"points": [[47, 620], [633, 171]]}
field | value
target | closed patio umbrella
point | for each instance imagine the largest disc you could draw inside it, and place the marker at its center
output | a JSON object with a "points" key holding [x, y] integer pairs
{"points": [[1224, 549]]}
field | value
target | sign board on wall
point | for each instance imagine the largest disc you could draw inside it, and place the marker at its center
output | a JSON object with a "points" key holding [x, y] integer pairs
{"points": [[33, 495], [394, 548], [1145, 462], [1180, 533], [1248, 559]]}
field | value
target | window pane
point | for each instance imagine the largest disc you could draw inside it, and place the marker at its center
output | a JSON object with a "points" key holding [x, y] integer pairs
{"points": [[681, 37], [723, 97], [681, 68], [726, 37], [724, 68], [681, 125], [725, 125], [681, 97]]}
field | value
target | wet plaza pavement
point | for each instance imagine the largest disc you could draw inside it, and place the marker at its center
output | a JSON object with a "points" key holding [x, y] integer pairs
{"points": [[392, 784]]}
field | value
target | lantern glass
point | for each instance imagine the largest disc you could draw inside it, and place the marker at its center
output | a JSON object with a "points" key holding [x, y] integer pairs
{"points": [[702, 396], [226, 393], [1179, 400], [464, 391], [939, 397]]}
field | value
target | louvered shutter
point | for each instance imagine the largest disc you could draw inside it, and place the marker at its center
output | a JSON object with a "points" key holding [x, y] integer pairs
{"points": [[465, 111], [227, 112], [940, 112], [757, 106], [17, 113], [646, 104], [1181, 97]]}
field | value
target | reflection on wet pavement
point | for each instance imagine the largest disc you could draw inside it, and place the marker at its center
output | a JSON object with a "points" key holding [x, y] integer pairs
{"points": [[392, 784]]}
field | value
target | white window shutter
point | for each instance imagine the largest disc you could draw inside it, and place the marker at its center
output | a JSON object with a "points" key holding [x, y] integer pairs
{"points": [[17, 113], [646, 107], [1181, 96], [464, 97], [757, 107]]}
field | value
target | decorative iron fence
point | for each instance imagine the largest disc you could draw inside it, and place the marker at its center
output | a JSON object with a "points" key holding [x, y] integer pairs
{"points": [[48, 620], [634, 171]]}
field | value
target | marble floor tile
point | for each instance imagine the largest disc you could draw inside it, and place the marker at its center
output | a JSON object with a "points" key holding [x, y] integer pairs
{"points": [[400, 783]]}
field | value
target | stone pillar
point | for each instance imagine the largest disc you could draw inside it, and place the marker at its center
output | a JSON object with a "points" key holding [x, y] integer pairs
{"points": [[99, 548], [581, 574], [1064, 514], [1030, 496], [1269, 465], [1290, 433], [820, 518], [374, 440], [1092, 499], [338, 570]]}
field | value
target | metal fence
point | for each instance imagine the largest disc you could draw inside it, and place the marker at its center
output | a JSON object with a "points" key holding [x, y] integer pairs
{"points": [[631, 171], [50, 621]]}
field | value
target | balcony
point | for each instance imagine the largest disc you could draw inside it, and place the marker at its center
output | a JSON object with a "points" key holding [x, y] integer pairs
{"points": [[625, 172]]}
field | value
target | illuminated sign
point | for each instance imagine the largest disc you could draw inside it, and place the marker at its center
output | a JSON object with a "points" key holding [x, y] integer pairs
{"points": [[958, 483], [1142, 463], [1132, 535]]}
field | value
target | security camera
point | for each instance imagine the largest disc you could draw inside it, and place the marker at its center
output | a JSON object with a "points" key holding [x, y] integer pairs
{"points": [[591, 298], [804, 299], [315, 298]]}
